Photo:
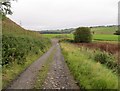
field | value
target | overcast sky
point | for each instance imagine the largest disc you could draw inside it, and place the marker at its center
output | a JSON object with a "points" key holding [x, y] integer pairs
{"points": [[60, 14]]}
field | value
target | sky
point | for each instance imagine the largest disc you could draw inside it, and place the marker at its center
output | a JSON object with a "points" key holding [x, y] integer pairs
{"points": [[60, 14]]}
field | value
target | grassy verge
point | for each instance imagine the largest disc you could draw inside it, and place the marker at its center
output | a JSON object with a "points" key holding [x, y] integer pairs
{"points": [[19, 54], [89, 73], [10, 72], [43, 72]]}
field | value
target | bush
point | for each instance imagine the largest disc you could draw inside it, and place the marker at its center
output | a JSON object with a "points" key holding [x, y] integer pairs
{"points": [[15, 49], [106, 59], [83, 34], [117, 32], [102, 57]]}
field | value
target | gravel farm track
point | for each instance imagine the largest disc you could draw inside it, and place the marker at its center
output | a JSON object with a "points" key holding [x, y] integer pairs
{"points": [[58, 77]]}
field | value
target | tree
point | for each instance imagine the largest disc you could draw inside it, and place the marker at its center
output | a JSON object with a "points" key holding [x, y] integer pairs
{"points": [[5, 7], [117, 32], [83, 34]]}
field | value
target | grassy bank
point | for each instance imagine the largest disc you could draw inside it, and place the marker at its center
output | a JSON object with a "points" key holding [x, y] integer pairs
{"points": [[89, 73], [20, 48]]}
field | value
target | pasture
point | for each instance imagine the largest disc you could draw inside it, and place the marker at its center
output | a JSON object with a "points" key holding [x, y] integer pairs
{"points": [[110, 30], [96, 37]]}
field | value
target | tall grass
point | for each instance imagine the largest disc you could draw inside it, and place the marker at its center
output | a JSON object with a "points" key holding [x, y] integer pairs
{"points": [[89, 73]]}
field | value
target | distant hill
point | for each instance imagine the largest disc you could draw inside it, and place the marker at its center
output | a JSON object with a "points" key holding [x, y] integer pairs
{"points": [[95, 29], [104, 29], [63, 31]]}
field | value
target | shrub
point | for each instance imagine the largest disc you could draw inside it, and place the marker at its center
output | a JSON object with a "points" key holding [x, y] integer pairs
{"points": [[106, 59], [117, 32], [83, 34], [102, 57], [15, 49]]}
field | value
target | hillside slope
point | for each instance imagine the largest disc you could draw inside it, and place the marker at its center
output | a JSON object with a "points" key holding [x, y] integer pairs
{"points": [[10, 27], [20, 48]]}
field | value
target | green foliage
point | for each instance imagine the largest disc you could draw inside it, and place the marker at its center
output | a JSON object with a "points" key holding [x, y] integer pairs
{"points": [[20, 48], [17, 48], [117, 32], [88, 73], [107, 59], [83, 34], [103, 57], [5, 7]]}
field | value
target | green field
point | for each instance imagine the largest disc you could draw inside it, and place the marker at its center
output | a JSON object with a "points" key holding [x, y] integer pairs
{"points": [[105, 30], [97, 37], [105, 37], [58, 35], [102, 33]]}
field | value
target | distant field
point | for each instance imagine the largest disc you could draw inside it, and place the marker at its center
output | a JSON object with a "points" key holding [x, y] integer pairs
{"points": [[104, 30], [58, 35], [96, 30], [97, 37], [106, 37]]}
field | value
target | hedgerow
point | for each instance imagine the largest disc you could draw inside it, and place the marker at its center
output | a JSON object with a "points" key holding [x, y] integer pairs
{"points": [[17, 48]]}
